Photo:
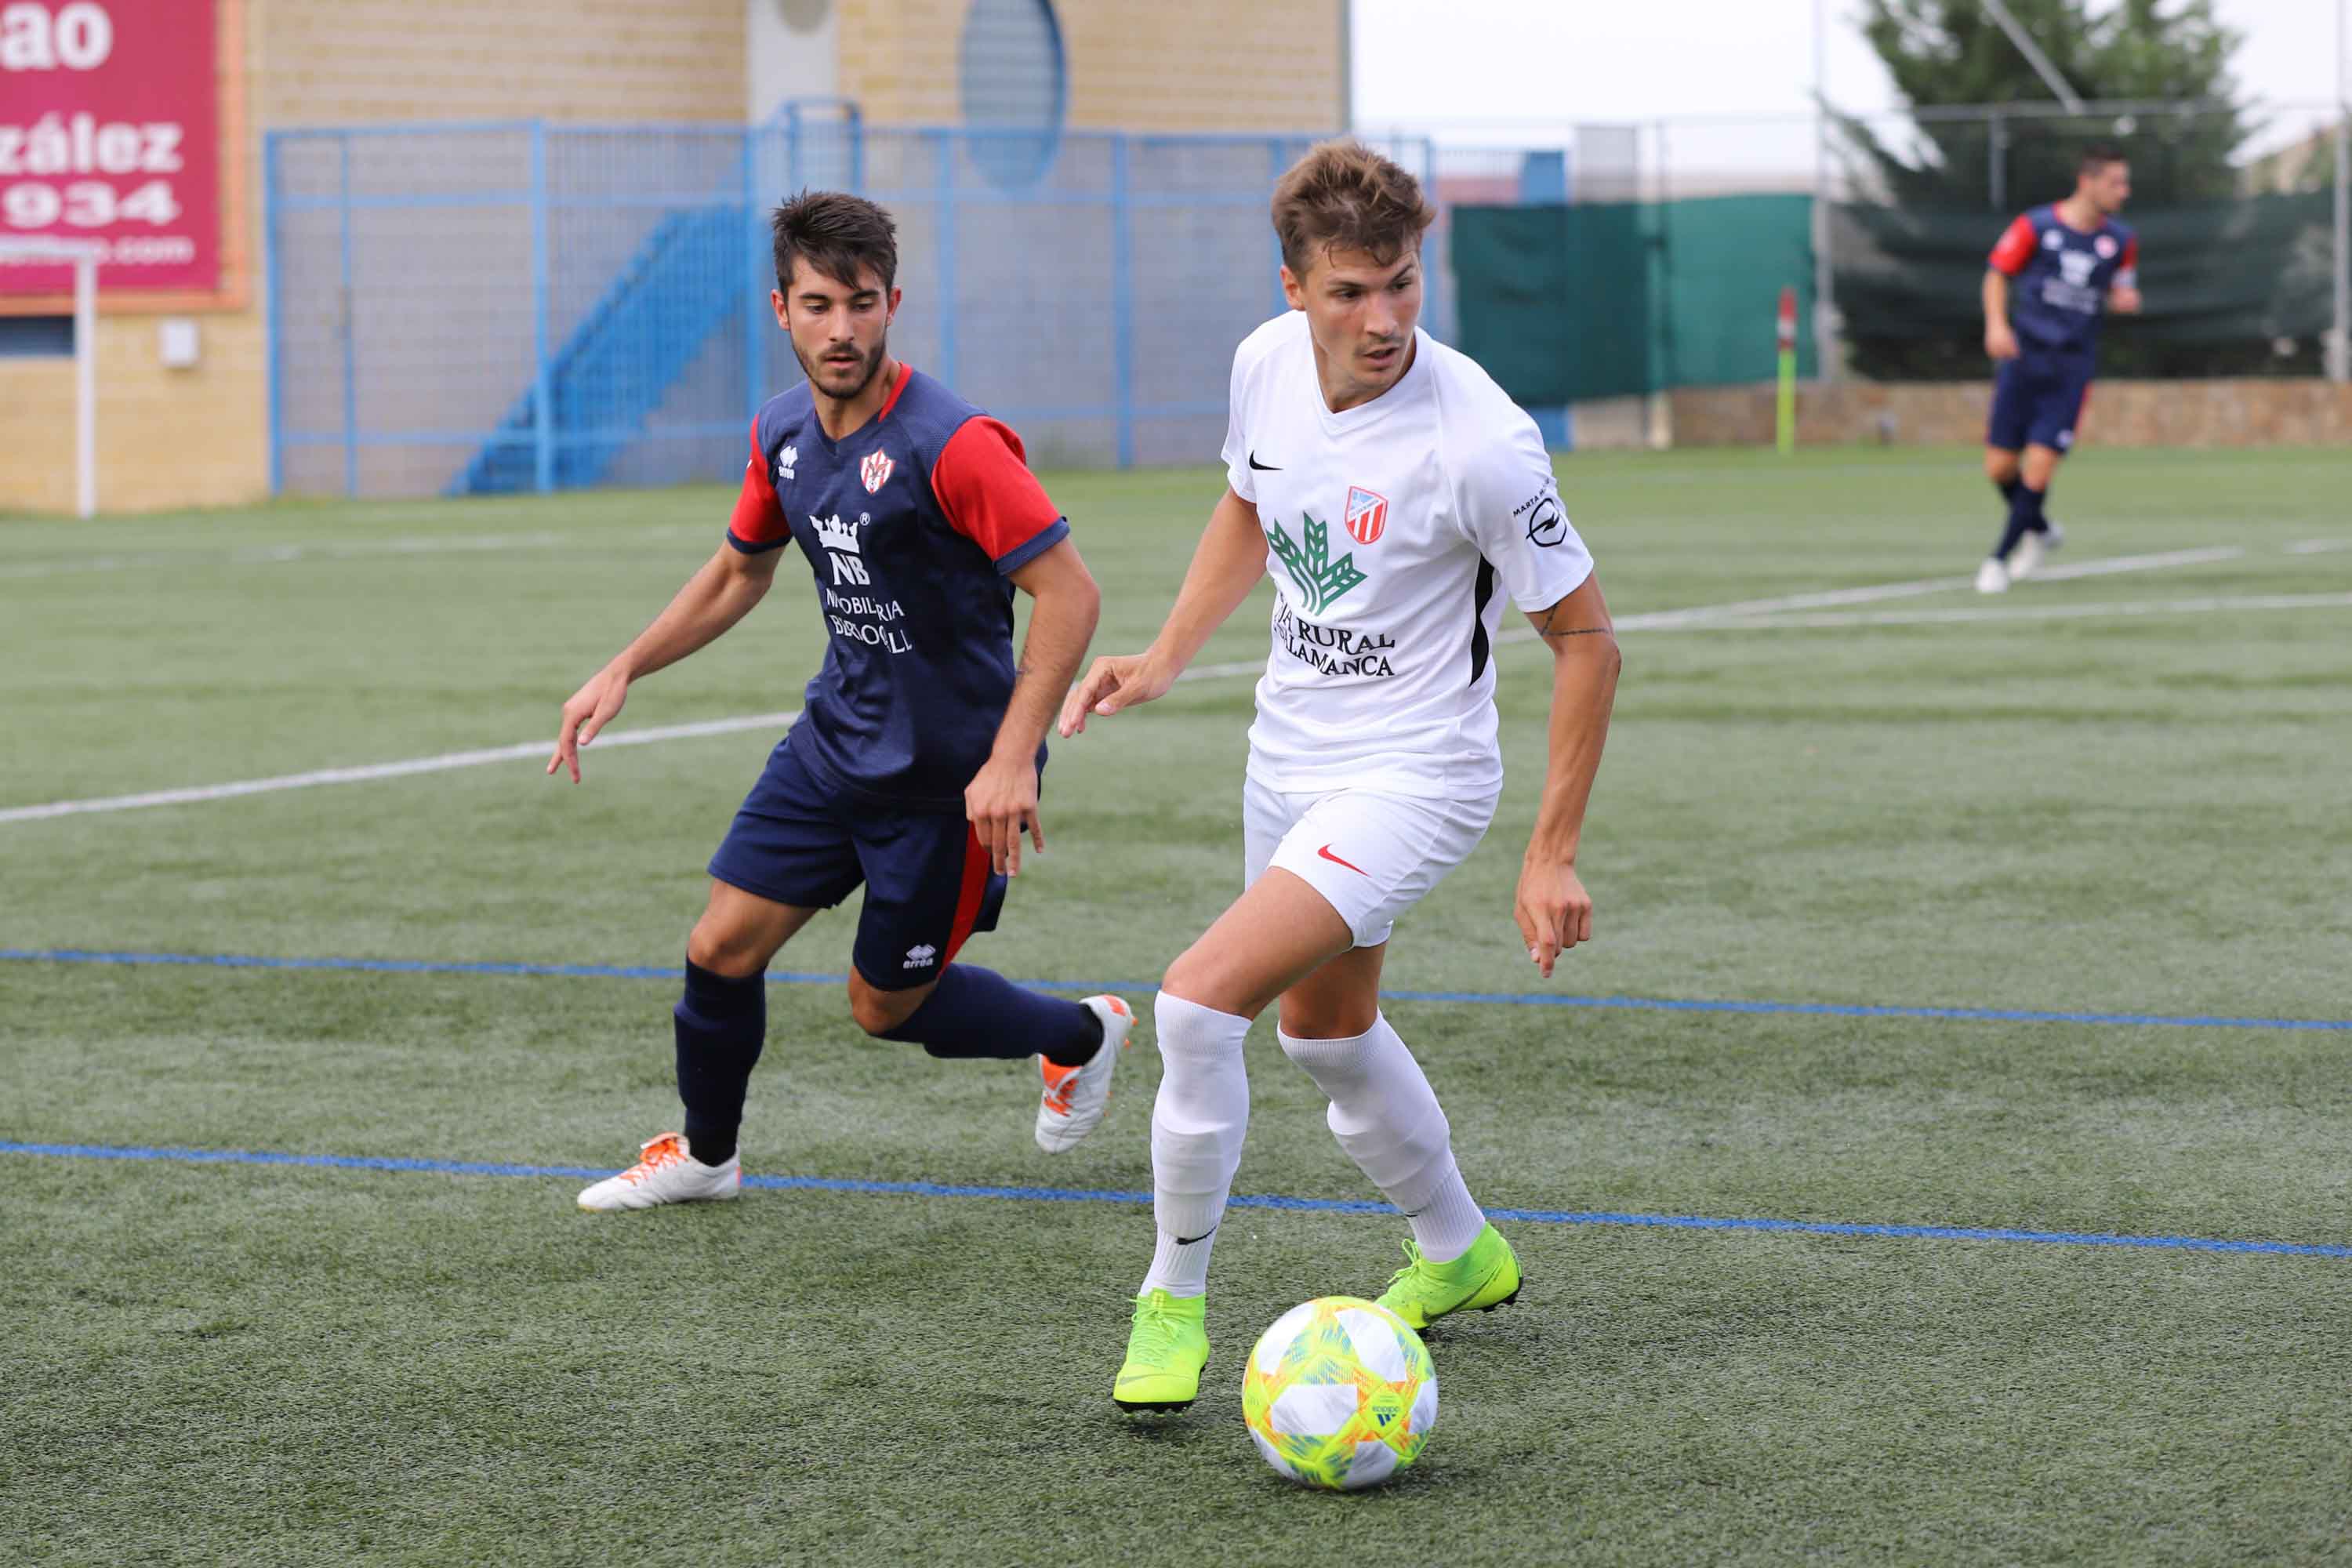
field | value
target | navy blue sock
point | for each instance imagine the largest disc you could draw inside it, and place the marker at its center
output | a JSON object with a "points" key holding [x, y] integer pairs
{"points": [[2009, 489], [722, 1022], [976, 1012], [2024, 518]]}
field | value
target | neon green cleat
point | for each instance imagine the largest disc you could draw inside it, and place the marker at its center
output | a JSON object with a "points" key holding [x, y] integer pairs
{"points": [[1481, 1279], [1165, 1353]]}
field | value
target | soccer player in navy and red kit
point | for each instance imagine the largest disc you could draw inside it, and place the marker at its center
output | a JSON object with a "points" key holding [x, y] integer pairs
{"points": [[915, 766], [2056, 272]]}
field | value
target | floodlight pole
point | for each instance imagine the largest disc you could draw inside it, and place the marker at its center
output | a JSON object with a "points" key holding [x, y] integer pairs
{"points": [[1825, 317], [2339, 342], [2057, 84]]}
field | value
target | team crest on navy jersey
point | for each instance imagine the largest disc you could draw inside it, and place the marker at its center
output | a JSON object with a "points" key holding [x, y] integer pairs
{"points": [[875, 470], [1367, 515]]}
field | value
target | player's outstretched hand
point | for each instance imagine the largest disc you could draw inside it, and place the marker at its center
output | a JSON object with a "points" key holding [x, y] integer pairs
{"points": [[2000, 340], [1116, 681], [1554, 911], [2124, 301], [590, 708], [1002, 802]]}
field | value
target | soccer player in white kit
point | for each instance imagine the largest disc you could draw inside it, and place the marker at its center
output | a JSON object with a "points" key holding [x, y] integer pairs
{"points": [[1395, 495]]}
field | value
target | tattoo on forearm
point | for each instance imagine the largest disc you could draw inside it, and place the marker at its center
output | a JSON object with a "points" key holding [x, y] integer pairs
{"points": [[1545, 629]]}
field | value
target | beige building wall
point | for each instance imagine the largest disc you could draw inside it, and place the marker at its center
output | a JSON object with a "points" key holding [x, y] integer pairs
{"points": [[1205, 66], [197, 437]]}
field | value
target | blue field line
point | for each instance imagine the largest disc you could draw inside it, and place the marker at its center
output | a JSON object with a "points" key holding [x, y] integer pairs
{"points": [[1086, 987], [1110, 1195]]}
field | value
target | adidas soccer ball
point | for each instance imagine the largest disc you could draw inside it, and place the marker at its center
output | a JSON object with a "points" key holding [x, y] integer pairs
{"points": [[1340, 1394]]}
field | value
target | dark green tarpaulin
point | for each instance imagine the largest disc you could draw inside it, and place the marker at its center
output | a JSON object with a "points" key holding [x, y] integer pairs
{"points": [[1611, 300], [1564, 303]]}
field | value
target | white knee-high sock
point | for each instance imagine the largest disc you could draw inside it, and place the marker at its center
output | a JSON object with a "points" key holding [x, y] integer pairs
{"points": [[1196, 1138], [1387, 1118]]}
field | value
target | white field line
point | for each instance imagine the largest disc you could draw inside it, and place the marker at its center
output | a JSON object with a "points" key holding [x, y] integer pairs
{"points": [[442, 764], [341, 550], [1698, 616], [1977, 613], [2319, 546]]}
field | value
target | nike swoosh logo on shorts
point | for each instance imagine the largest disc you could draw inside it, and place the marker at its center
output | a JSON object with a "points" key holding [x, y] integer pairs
{"points": [[1326, 852]]}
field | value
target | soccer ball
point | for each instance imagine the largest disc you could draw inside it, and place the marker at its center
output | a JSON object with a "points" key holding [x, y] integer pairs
{"points": [[1340, 1394]]}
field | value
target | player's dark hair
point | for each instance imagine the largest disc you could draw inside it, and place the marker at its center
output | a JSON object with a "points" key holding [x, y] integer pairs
{"points": [[837, 234], [1344, 196], [2097, 156]]}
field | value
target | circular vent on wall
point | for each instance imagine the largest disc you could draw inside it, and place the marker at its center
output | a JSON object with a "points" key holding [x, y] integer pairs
{"points": [[1015, 87], [804, 15]]}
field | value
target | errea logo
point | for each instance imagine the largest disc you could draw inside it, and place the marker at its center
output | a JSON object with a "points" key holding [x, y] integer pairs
{"points": [[921, 956], [785, 461]]}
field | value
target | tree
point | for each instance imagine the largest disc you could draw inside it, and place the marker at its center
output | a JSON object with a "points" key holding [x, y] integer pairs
{"points": [[1950, 53]]}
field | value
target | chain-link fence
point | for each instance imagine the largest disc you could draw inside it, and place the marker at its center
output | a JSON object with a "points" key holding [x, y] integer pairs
{"points": [[502, 307], [1881, 224]]}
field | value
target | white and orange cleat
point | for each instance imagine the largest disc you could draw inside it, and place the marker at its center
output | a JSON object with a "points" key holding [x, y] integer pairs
{"points": [[665, 1172], [1072, 1105]]}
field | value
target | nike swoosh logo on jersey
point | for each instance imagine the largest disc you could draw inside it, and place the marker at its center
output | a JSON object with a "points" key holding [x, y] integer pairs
{"points": [[1264, 467], [1326, 852]]}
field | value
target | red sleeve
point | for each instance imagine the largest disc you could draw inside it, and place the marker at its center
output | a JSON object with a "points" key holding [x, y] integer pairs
{"points": [[2015, 249], [758, 521], [2131, 255], [991, 498]]}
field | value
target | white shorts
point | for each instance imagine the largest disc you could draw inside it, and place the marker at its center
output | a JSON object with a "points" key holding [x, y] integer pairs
{"points": [[1372, 856]]}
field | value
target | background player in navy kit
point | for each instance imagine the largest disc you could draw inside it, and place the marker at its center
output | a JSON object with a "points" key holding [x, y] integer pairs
{"points": [[914, 768], [2069, 263]]}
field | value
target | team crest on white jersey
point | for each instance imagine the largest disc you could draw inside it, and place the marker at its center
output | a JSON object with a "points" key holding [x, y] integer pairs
{"points": [[1366, 516], [875, 470]]}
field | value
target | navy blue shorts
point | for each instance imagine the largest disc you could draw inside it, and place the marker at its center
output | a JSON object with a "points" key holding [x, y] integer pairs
{"points": [[927, 878], [2036, 402]]}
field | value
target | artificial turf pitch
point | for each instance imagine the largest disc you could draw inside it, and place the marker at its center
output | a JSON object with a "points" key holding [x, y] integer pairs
{"points": [[2136, 809]]}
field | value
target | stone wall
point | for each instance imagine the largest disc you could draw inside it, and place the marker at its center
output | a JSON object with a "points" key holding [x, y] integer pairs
{"points": [[2121, 414]]}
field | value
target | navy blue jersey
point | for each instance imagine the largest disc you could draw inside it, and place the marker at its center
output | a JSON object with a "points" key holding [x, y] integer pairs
{"points": [[913, 525], [2059, 279]]}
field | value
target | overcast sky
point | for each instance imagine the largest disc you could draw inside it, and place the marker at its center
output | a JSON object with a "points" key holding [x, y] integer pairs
{"points": [[1580, 60]]}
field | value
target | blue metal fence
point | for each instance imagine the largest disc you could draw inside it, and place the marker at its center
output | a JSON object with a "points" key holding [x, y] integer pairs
{"points": [[519, 306]]}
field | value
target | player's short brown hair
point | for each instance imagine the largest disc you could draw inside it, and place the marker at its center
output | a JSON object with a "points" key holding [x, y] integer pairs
{"points": [[2097, 156], [837, 234], [1342, 195]]}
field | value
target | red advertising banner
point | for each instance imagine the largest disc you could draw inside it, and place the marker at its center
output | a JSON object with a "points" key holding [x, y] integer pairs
{"points": [[110, 133]]}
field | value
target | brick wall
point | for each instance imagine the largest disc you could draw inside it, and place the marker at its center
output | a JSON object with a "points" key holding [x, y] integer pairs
{"points": [[199, 438], [2121, 414], [173, 439], [364, 62], [1205, 66]]}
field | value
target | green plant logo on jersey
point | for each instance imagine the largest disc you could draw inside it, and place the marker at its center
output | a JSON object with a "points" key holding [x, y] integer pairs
{"points": [[1321, 581]]}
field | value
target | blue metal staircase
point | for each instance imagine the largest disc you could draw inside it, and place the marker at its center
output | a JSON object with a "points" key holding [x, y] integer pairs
{"points": [[683, 284]]}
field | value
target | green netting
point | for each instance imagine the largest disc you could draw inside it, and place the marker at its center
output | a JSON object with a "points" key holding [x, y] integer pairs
{"points": [[1725, 259], [1554, 301], [1613, 299], [2225, 283]]}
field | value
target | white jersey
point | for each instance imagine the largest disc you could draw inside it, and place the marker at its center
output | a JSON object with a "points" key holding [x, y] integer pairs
{"points": [[1387, 529]]}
